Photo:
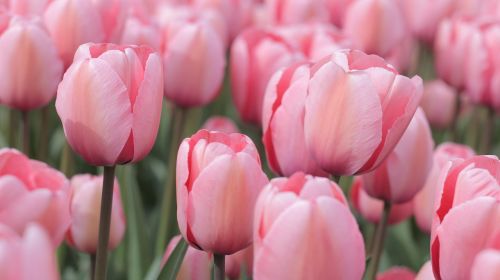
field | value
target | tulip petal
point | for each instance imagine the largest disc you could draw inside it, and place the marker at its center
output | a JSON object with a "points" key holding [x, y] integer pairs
{"points": [[486, 265], [39, 260]]}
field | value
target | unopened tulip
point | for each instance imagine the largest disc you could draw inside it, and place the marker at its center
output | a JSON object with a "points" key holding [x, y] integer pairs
{"points": [[27, 257], [425, 272], [439, 103], [30, 65], [486, 265], [303, 229], [31, 191], [256, 55], [425, 199], [296, 11], [240, 262], [222, 124], [371, 208], [219, 177], [357, 108], [283, 122], [396, 273], [85, 213], [338, 9], [137, 31], [405, 56], [110, 102], [196, 264], [113, 14]]}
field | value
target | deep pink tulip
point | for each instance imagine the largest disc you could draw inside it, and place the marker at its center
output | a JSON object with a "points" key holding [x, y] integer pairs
{"points": [[31, 191], [85, 212], [283, 122], [222, 124], [240, 262], [192, 49], [296, 11], [137, 31], [325, 242], [110, 102], [219, 177], [486, 265], [425, 272], [396, 273], [375, 26], [424, 200], [28, 7], [256, 55], [367, 105], [338, 9], [439, 103], [196, 264], [27, 257], [371, 208], [30, 65]]}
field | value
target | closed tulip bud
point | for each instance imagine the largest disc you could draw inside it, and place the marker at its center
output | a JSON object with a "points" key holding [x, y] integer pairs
{"points": [[396, 273], [325, 242], [113, 14], [30, 65], [221, 124], [140, 32], [368, 106], [283, 122], [296, 11], [218, 179], [439, 103], [337, 10], [196, 264], [30, 256], [486, 265], [85, 211], [240, 262], [425, 272], [31, 191], [402, 175], [371, 208], [110, 102], [256, 55]]}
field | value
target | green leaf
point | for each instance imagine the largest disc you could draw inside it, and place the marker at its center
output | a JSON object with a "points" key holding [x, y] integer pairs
{"points": [[169, 272]]}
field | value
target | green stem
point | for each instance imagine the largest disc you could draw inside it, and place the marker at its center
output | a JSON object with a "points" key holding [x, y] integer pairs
{"points": [[378, 244], [92, 266], [489, 125], [104, 222], [44, 134], [167, 215], [26, 133], [454, 133], [13, 128], [336, 178], [219, 267], [67, 160]]}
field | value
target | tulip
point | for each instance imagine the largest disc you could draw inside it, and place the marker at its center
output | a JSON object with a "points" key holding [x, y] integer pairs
{"points": [[486, 265], [113, 14], [405, 56], [110, 102], [30, 65], [368, 106], [371, 208], [31, 191], [283, 122], [218, 179], [439, 103], [221, 124], [140, 32], [325, 242], [474, 8], [240, 262], [425, 272], [26, 257], [296, 11], [424, 200], [28, 7], [337, 10], [85, 212], [256, 55], [195, 265], [396, 273]]}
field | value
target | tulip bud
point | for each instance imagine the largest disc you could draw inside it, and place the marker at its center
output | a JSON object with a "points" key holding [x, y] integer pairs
{"points": [[439, 103], [221, 124], [296, 11], [139, 32]]}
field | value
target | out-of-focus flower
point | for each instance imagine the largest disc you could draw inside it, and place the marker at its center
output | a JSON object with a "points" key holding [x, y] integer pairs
{"points": [[296, 11], [222, 124], [240, 262], [196, 264], [425, 272], [396, 273], [439, 103]]}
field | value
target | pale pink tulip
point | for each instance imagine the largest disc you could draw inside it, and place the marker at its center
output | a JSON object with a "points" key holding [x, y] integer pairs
{"points": [[110, 102], [425, 272], [356, 110], [113, 14], [222, 124], [475, 8], [140, 32], [31, 191], [240, 262], [439, 103], [283, 122], [219, 177], [396, 273], [296, 11], [30, 65], [28, 7], [371, 208], [256, 55], [196, 264], [27, 257], [338, 9], [486, 265], [85, 212], [303, 229], [405, 56]]}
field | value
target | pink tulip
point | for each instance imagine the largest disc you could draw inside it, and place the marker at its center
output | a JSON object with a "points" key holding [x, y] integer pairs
{"points": [[30, 66], [368, 106], [439, 103], [338, 9], [196, 264], [425, 272], [303, 229], [113, 14], [222, 124], [85, 212], [27, 257], [31, 191], [486, 265], [192, 49], [110, 102], [296, 11], [240, 262], [405, 56], [283, 122], [475, 8], [375, 26], [396, 273], [28, 7], [371, 208], [218, 179], [256, 55], [140, 32]]}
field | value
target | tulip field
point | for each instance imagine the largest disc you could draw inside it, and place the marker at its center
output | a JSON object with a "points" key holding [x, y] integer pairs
{"points": [[250, 139]]}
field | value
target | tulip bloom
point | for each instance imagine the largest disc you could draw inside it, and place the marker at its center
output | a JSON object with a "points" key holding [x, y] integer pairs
{"points": [[256, 55], [140, 32], [30, 256], [325, 242], [196, 264], [396, 273], [338, 9], [486, 265], [239, 262], [283, 122], [368, 106], [296, 11], [113, 14], [31, 191], [85, 213], [30, 65], [222, 124], [110, 102], [218, 179], [439, 103]]}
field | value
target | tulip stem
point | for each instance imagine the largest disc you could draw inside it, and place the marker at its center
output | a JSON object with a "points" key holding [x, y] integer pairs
{"points": [[92, 266], [104, 222], [219, 267], [13, 128], [489, 126], [26, 133], [67, 160], [454, 133], [378, 244], [44, 134]]}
